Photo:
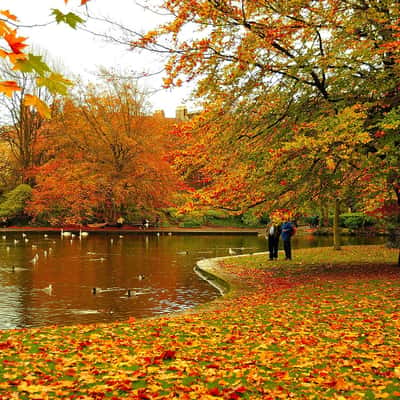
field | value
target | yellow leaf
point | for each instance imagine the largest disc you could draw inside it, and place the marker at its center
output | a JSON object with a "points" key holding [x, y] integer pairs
{"points": [[41, 107]]}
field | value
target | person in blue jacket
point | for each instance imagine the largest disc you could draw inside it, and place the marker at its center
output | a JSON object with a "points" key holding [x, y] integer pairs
{"points": [[286, 235]]}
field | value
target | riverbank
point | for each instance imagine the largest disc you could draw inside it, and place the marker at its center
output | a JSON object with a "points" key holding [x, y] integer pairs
{"points": [[325, 325], [140, 230]]}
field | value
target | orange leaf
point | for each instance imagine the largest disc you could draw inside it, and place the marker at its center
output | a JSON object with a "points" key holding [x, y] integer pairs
{"points": [[41, 107], [16, 43], [8, 87], [8, 15]]}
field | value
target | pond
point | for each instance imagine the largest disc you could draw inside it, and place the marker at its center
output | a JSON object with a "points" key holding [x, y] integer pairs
{"points": [[46, 279]]}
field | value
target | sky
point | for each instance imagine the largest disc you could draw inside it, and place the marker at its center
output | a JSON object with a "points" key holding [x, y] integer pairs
{"points": [[81, 53]]}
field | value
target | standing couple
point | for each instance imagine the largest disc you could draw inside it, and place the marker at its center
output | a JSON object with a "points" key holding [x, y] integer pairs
{"points": [[276, 230]]}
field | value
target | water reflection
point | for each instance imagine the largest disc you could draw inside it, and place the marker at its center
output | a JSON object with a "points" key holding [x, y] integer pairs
{"points": [[49, 279]]}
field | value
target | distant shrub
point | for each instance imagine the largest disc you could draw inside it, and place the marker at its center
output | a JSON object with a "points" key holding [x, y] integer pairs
{"points": [[355, 220], [190, 224], [216, 214], [249, 219], [14, 202]]}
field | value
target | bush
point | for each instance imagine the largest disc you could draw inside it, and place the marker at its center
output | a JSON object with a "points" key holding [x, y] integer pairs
{"points": [[249, 219], [355, 220], [190, 224], [15, 201]]}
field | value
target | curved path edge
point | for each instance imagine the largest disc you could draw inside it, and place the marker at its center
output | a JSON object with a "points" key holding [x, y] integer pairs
{"points": [[211, 271]]}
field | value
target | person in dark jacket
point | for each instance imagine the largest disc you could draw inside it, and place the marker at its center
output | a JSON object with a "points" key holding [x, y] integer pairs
{"points": [[286, 234], [273, 232]]}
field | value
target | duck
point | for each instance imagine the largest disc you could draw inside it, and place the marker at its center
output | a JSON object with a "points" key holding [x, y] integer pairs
{"points": [[23, 235], [45, 235]]}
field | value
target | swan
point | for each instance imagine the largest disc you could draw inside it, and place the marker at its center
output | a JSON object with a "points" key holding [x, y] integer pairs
{"points": [[231, 252], [35, 259], [83, 234], [65, 233], [48, 290]]}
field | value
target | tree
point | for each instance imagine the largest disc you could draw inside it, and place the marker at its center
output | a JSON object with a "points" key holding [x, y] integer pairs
{"points": [[268, 68], [103, 143], [22, 122]]}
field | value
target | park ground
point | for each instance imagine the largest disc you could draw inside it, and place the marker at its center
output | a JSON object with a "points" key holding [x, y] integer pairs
{"points": [[323, 326]]}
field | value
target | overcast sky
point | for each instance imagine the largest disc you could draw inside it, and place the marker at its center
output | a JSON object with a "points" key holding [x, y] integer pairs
{"points": [[81, 53]]}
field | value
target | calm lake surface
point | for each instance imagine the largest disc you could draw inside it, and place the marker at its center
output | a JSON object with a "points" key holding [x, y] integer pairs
{"points": [[113, 264]]}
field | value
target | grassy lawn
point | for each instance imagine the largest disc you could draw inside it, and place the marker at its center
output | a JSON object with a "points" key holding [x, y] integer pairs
{"points": [[323, 326]]}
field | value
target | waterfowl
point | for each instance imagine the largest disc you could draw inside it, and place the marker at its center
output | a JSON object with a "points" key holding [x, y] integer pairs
{"points": [[83, 234], [231, 252], [48, 290]]}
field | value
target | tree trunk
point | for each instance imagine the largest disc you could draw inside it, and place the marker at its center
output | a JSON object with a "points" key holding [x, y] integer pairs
{"points": [[324, 220], [336, 229]]}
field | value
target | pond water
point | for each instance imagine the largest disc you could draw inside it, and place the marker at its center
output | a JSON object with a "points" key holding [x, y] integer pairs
{"points": [[157, 271]]}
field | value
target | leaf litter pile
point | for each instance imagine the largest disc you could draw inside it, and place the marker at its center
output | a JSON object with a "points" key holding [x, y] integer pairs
{"points": [[296, 329]]}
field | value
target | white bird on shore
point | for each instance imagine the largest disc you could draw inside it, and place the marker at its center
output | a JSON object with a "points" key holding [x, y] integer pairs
{"points": [[231, 252]]}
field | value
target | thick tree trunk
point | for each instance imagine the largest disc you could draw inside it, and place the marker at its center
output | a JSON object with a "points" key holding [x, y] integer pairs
{"points": [[336, 228]]}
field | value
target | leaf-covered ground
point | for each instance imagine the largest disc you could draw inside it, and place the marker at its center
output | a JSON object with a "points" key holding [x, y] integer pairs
{"points": [[300, 329]]}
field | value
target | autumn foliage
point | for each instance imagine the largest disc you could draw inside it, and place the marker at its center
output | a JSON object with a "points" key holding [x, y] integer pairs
{"points": [[110, 156]]}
